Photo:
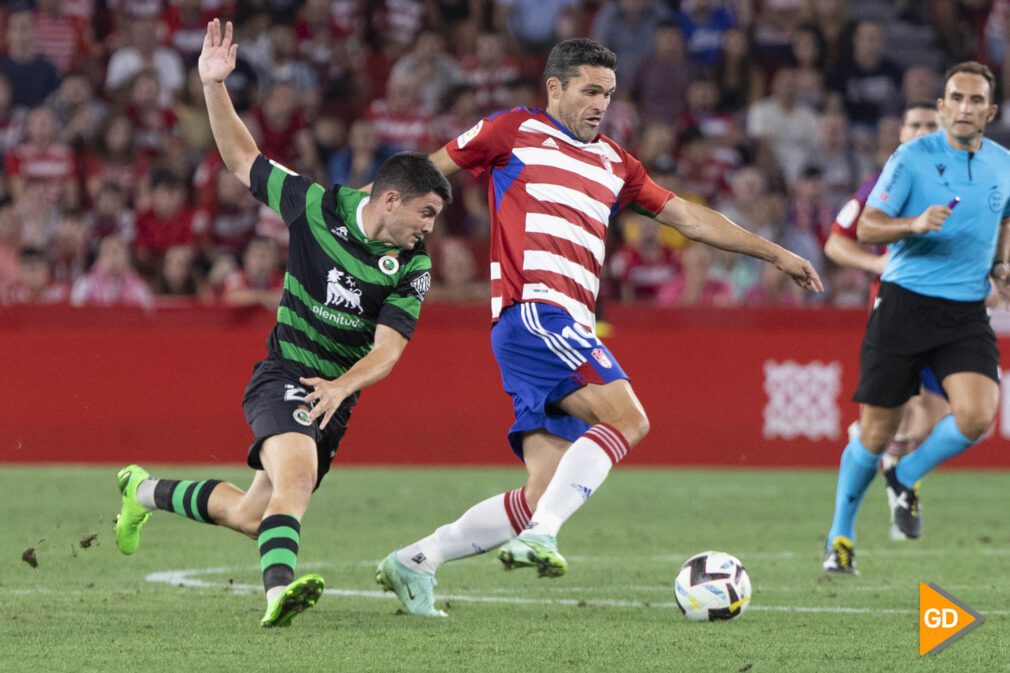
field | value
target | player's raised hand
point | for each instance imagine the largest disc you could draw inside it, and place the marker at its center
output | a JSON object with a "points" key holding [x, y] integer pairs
{"points": [[800, 270], [931, 219], [217, 59], [326, 398]]}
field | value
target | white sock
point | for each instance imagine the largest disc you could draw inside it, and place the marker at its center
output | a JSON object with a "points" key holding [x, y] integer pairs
{"points": [[274, 593], [582, 469], [145, 493], [484, 526]]}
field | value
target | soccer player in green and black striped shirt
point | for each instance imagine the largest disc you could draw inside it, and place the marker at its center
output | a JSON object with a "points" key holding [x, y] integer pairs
{"points": [[356, 276]]}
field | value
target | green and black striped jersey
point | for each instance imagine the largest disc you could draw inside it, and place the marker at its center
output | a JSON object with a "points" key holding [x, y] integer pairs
{"points": [[338, 284]]}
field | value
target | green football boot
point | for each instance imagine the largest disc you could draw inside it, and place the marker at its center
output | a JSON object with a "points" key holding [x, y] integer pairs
{"points": [[300, 595], [415, 589], [534, 551], [132, 515]]}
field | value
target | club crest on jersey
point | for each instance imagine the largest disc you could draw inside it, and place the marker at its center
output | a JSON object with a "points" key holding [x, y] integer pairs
{"points": [[602, 358], [389, 265], [342, 291], [301, 416], [467, 136], [606, 164], [421, 285]]}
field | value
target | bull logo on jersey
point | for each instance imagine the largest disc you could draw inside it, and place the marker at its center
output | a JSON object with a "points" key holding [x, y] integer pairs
{"points": [[341, 290], [421, 285]]}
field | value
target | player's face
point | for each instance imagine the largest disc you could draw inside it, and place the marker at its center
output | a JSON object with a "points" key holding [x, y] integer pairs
{"points": [[918, 122], [965, 107], [580, 106], [407, 222]]}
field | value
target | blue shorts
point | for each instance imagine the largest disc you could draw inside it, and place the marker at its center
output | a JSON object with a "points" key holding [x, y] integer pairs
{"points": [[928, 381], [544, 356]]}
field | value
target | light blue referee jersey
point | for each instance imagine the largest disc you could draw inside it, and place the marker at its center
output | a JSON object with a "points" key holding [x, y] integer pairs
{"points": [[952, 263]]}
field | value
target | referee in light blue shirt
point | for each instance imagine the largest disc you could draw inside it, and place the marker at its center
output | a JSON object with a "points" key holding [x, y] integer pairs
{"points": [[942, 205]]}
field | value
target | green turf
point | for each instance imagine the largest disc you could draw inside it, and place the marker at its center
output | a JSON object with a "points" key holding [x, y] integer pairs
{"points": [[92, 609]]}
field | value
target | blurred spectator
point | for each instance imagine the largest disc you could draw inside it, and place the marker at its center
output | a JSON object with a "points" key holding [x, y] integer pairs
{"points": [[747, 187], [775, 26], [77, 112], [60, 38], [703, 23], [699, 169], [996, 34], [656, 148], [643, 265], [534, 23], [808, 58], [456, 273], [919, 83], [785, 129], [10, 247], [285, 67], [115, 159], [461, 111], [399, 21], [191, 113], [357, 164], [177, 276], [842, 168], [144, 52], [37, 214], [168, 222], [809, 217], [234, 218], [738, 72], [153, 122], [622, 121], [259, 281], [720, 128], [489, 70], [112, 281], [868, 82], [849, 287], [831, 17], [659, 86], [31, 75], [187, 27], [628, 28], [276, 123], [34, 284], [432, 70], [68, 253], [961, 22], [11, 119], [398, 119], [44, 160], [696, 285], [111, 216]]}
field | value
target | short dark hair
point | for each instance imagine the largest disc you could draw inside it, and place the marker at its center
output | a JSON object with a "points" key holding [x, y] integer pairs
{"points": [[565, 58], [412, 174], [972, 68]]}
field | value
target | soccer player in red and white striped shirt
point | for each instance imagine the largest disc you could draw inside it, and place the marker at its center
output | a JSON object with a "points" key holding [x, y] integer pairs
{"points": [[555, 184]]}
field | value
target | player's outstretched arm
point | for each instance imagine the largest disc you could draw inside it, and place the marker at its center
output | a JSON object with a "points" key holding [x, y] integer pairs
{"points": [[234, 142], [846, 252], [875, 227], [708, 226], [329, 395]]}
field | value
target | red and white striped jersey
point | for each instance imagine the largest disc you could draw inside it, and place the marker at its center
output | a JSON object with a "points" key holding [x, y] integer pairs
{"points": [[551, 198]]}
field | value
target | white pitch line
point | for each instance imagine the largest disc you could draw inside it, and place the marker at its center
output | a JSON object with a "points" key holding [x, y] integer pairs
{"points": [[189, 579]]}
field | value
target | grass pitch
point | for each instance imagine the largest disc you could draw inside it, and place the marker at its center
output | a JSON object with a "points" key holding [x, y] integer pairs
{"points": [[189, 600]]}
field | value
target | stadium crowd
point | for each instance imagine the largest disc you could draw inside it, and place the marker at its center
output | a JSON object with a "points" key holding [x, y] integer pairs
{"points": [[770, 111]]}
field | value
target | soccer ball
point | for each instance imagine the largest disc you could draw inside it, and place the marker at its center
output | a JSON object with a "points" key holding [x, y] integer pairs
{"points": [[712, 586]]}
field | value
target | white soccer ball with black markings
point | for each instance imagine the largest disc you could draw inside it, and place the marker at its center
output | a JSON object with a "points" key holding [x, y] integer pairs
{"points": [[712, 586]]}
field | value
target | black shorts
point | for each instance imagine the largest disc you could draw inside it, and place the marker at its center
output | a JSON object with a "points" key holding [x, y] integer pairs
{"points": [[274, 403], [908, 331]]}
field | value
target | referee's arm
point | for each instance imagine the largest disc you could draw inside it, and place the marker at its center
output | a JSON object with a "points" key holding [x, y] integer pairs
{"points": [[234, 142], [876, 227]]}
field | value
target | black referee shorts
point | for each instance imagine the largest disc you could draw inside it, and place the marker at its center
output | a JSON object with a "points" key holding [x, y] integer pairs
{"points": [[274, 404], [908, 331]]}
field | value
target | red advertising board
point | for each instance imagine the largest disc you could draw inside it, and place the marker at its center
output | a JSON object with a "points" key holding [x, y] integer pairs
{"points": [[724, 388]]}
